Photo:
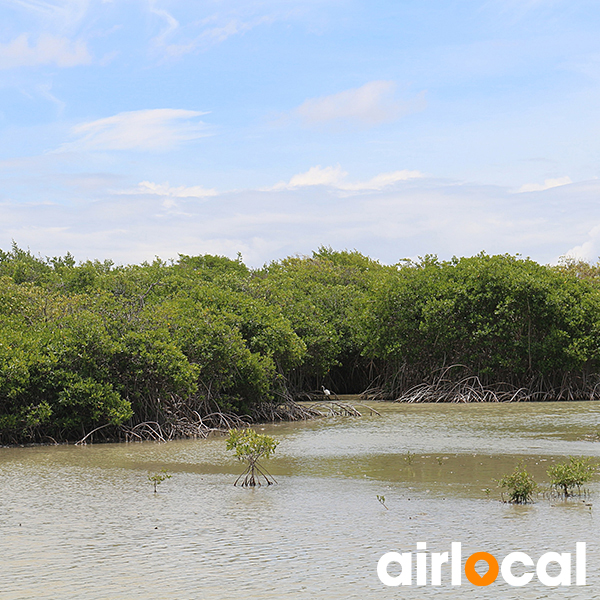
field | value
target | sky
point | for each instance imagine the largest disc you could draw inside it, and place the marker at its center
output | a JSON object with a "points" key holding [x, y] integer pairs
{"points": [[131, 129]]}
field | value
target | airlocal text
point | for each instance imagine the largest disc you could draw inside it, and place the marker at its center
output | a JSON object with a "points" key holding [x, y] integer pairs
{"points": [[429, 567]]}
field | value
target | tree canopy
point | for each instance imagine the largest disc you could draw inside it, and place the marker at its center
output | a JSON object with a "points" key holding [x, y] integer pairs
{"points": [[93, 344]]}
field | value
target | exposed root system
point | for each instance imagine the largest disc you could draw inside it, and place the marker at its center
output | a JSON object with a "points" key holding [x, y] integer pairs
{"points": [[185, 421], [471, 389], [288, 410], [341, 409], [251, 476], [179, 420]]}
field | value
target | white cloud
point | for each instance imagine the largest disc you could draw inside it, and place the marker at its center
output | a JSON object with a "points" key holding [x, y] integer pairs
{"points": [[214, 35], [383, 180], [154, 129], [164, 189], [168, 192], [588, 250], [335, 177], [444, 218], [45, 90], [171, 21], [213, 30], [548, 183], [65, 12], [318, 176], [370, 104], [49, 50]]}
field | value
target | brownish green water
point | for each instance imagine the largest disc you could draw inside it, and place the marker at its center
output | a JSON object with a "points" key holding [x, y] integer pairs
{"points": [[83, 523]]}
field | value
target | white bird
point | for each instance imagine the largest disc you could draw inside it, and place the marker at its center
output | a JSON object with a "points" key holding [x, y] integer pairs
{"points": [[325, 391]]}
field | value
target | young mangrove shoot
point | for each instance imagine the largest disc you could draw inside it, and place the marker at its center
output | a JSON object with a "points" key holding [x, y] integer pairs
{"points": [[157, 478], [382, 501], [249, 447]]}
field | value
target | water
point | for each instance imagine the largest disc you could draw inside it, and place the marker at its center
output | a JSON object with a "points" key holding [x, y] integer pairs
{"points": [[83, 523]]}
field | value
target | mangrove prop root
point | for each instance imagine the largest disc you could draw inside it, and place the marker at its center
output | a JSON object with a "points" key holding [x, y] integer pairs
{"points": [[341, 409], [472, 389], [182, 420], [459, 383], [287, 410], [252, 474]]}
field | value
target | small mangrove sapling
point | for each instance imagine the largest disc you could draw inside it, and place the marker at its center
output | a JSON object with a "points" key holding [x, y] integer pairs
{"points": [[382, 501], [250, 446], [565, 477], [157, 478], [520, 484]]}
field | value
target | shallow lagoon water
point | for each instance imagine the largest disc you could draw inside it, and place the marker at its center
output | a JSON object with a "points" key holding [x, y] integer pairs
{"points": [[83, 523]]}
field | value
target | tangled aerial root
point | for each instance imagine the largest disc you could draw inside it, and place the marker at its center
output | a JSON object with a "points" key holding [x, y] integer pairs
{"points": [[471, 389]]}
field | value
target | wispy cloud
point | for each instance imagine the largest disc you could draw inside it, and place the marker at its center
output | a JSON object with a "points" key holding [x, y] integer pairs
{"points": [[171, 24], [548, 183], [176, 41], [335, 177], [49, 50], [168, 192], [370, 104], [164, 189], [331, 176], [64, 12], [155, 129], [45, 90]]}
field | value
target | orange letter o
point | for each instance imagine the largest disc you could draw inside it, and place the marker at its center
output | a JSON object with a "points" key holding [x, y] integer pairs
{"points": [[473, 576]]}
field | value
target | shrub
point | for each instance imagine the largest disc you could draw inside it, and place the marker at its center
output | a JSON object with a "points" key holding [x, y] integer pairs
{"points": [[520, 484], [565, 477]]}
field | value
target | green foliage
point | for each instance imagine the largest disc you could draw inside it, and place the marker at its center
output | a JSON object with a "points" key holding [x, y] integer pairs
{"points": [[89, 345], [247, 444], [92, 344], [213, 267], [503, 317], [157, 478], [250, 446], [227, 369], [520, 485], [381, 500], [319, 296], [23, 267], [567, 476]]}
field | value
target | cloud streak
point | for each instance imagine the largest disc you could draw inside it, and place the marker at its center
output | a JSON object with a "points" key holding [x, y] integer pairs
{"points": [[66, 12], [48, 50], [169, 193], [213, 30], [335, 177], [143, 130], [548, 184], [371, 104], [164, 189]]}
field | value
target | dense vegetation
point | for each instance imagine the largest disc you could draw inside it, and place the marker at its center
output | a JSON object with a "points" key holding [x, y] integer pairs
{"points": [[88, 345]]}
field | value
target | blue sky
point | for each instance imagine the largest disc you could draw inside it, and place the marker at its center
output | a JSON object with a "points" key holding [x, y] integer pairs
{"points": [[136, 128]]}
